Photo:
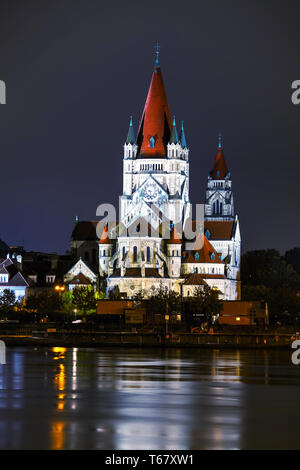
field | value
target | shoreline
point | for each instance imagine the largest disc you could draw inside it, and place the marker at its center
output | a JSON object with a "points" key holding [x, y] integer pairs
{"points": [[149, 340]]}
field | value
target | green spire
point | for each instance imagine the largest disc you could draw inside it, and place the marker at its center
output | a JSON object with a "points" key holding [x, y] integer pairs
{"points": [[130, 136], [174, 136], [182, 137]]}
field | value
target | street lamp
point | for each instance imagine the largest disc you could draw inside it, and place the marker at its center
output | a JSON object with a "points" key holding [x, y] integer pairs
{"points": [[75, 311]]}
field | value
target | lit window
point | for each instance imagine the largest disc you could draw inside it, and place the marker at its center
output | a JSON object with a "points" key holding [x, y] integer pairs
{"points": [[152, 142]]}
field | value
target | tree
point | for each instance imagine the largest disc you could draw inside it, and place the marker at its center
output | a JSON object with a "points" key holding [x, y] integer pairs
{"points": [[67, 301], [163, 300], [84, 299], [114, 293], [7, 301], [205, 301], [45, 303], [268, 268], [292, 257]]}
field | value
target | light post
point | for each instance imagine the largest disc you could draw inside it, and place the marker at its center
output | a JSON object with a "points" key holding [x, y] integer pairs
{"points": [[167, 324], [75, 311]]}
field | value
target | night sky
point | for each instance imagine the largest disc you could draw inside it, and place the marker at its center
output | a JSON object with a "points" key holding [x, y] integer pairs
{"points": [[76, 70]]}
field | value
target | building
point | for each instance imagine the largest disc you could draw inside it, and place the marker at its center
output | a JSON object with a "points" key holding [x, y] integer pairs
{"points": [[80, 275], [12, 278], [147, 247]]}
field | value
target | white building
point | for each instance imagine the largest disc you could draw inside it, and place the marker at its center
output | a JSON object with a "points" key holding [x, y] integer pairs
{"points": [[12, 278], [149, 248]]}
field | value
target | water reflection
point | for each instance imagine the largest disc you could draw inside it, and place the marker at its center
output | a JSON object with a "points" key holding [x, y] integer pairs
{"points": [[118, 398]]}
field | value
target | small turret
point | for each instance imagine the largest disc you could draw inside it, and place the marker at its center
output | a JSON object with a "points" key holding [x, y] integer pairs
{"points": [[174, 136], [105, 251], [182, 137]]}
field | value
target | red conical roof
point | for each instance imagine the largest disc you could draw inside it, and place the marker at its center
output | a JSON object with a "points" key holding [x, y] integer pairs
{"points": [[174, 237], [104, 237], [220, 169], [156, 122]]}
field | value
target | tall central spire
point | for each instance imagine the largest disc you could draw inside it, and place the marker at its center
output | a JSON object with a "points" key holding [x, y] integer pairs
{"points": [[156, 123]]}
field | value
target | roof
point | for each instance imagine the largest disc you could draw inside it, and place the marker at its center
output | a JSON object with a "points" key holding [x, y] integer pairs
{"points": [[219, 229], [156, 120], [85, 230], [15, 277], [220, 169], [105, 240], [130, 136], [206, 254], [182, 137], [174, 237], [80, 279], [194, 279], [174, 136]]}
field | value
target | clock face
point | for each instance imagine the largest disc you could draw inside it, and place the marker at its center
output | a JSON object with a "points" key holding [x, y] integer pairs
{"points": [[150, 192]]}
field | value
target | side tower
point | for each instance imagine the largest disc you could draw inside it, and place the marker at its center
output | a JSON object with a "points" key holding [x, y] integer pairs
{"points": [[219, 197], [222, 224]]}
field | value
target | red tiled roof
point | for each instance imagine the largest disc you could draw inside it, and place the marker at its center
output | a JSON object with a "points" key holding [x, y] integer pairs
{"points": [[205, 254], [174, 237], [156, 120], [104, 237], [220, 169], [219, 229]]}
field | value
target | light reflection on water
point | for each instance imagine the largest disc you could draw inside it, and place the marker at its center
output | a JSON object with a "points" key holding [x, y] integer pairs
{"points": [[119, 398]]}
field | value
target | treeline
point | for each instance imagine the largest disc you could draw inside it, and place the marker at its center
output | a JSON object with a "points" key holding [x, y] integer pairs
{"points": [[50, 305], [267, 275]]}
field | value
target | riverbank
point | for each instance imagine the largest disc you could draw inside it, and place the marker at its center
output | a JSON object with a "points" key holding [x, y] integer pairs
{"points": [[136, 339]]}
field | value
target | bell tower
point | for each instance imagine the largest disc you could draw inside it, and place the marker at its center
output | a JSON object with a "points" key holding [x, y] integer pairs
{"points": [[219, 197]]}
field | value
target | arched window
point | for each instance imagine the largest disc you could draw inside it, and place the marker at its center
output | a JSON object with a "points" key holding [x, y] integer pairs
{"points": [[221, 207], [134, 254], [124, 251], [196, 256], [212, 256], [152, 142], [148, 254]]}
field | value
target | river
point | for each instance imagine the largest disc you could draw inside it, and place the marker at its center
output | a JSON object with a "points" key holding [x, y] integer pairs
{"points": [[121, 398]]}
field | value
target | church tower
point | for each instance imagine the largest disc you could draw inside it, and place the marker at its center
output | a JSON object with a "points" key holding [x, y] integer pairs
{"points": [[155, 164], [219, 196]]}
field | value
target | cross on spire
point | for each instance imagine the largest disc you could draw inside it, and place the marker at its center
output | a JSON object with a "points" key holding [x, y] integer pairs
{"points": [[157, 47], [220, 140]]}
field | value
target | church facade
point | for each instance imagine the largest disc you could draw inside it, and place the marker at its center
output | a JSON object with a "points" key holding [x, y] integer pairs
{"points": [[149, 246]]}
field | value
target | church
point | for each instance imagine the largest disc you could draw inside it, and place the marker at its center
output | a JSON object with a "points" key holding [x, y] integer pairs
{"points": [[149, 247]]}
